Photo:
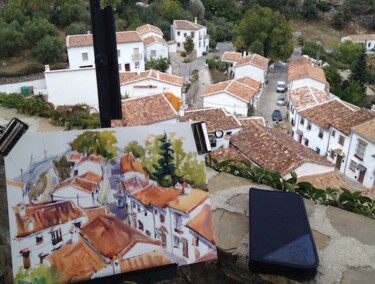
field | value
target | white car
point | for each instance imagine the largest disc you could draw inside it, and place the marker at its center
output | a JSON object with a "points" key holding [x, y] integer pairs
{"points": [[281, 86]]}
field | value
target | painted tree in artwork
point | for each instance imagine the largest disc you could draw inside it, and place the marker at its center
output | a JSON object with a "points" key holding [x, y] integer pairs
{"points": [[165, 169], [101, 143]]}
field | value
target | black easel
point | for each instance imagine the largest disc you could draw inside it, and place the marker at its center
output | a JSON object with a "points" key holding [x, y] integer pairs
{"points": [[108, 83]]}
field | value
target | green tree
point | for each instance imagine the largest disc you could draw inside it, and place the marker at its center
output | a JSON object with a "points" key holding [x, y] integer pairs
{"points": [[165, 169], [39, 274], [270, 28], [347, 52], [359, 69], [37, 29], [76, 29], [189, 45], [315, 50], [63, 168], [48, 50], [161, 64], [309, 10], [137, 150], [334, 78], [13, 12], [72, 12], [340, 18], [11, 40], [169, 9], [353, 93]]}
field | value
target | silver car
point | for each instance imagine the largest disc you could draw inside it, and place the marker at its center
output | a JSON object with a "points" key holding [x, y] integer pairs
{"points": [[281, 101]]}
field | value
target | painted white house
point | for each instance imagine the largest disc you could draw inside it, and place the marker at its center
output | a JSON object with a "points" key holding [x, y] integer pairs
{"points": [[360, 164], [181, 29], [130, 50], [137, 84], [149, 30], [302, 72], [155, 48], [368, 40], [236, 96], [215, 119], [253, 65]]}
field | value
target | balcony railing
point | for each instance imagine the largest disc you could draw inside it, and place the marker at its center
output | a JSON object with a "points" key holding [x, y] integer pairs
{"points": [[137, 56]]}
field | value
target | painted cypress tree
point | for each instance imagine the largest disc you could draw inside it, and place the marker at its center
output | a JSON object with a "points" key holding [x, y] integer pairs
{"points": [[165, 170], [359, 69]]}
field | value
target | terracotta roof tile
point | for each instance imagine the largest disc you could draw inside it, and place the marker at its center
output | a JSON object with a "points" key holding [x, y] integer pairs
{"points": [[366, 130], [243, 89], [143, 110], [94, 212], [149, 28], [249, 121], [203, 225], [306, 97], [41, 214], [86, 39], [112, 237], [76, 261], [153, 39], [231, 56], [223, 154], [130, 77], [215, 118], [254, 59], [303, 68], [144, 261], [272, 149], [157, 196], [338, 114], [186, 25], [362, 37], [134, 185], [325, 180], [187, 203]]}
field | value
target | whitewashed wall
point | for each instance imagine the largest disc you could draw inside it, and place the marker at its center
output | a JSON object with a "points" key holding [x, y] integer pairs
{"points": [[311, 169], [249, 71], [161, 51], [295, 84], [161, 87], [229, 103], [16, 87]]}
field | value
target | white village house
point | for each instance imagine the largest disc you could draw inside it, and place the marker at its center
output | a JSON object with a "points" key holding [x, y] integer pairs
{"points": [[149, 30], [253, 65], [181, 29], [155, 48], [368, 40]]}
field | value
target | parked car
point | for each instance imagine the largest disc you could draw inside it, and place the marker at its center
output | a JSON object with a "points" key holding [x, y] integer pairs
{"points": [[277, 116], [281, 101], [281, 87]]}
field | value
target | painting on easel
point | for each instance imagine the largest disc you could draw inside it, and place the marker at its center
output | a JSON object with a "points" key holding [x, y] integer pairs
{"points": [[90, 204]]}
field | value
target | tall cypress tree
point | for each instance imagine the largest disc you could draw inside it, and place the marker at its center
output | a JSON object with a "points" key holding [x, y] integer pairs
{"points": [[359, 69]]}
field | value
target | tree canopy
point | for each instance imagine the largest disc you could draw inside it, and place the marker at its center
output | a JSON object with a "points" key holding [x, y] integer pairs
{"points": [[262, 27]]}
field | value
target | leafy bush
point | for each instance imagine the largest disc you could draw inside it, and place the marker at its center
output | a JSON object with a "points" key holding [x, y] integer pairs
{"points": [[48, 50], [58, 66], [195, 75], [323, 6], [183, 54], [212, 43], [313, 50], [370, 76], [204, 53], [301, 40]]}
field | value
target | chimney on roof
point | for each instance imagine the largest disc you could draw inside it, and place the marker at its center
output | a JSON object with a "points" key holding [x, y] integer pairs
{"points": [[195, 20]]}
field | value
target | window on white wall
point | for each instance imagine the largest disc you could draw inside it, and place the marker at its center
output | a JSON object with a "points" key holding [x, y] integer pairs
{"points": [[153, 53], [136, 65], [85, 56], [352, 165], [360, 149], [118, 53]]}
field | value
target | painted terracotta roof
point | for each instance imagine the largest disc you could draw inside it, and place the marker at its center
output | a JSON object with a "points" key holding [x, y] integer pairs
{"points": [[243, 90], [134, 184], [131, 77], [79, 183], [112, 237], [157, 195], [45, 215], [215, 118], [144, 261], [273, 149], [149, 28], [231, 56], [154, 39], [306, 97], [366, 130], [187, 203], [362, 37], [130, 164], [303, 68], [325, 180], [90, 176], [86, 39], [94, 212], [75, 157], [203, 225], [143, 110], [92, 158], [338, 114], [186, 25], [254, 59], [76, 261], [249, 121]]}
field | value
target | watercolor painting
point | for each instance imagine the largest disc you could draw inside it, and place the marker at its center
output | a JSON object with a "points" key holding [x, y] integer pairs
{"points": [[94, 203]]}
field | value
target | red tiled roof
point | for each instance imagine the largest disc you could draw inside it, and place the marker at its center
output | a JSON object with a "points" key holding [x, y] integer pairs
{"points": [[149, 28], [306, 97], [45, 215], [243, 90], [338, 114], [249, 121], [86, 39], [366, 130], [157, 196], [326, 180], [186, 25], [112, 237], [254, 59], [215, 118], [304, 68], [203, 225], [146, 110], [272, 149], [231, 56], [130, 77], [153, 39]]}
